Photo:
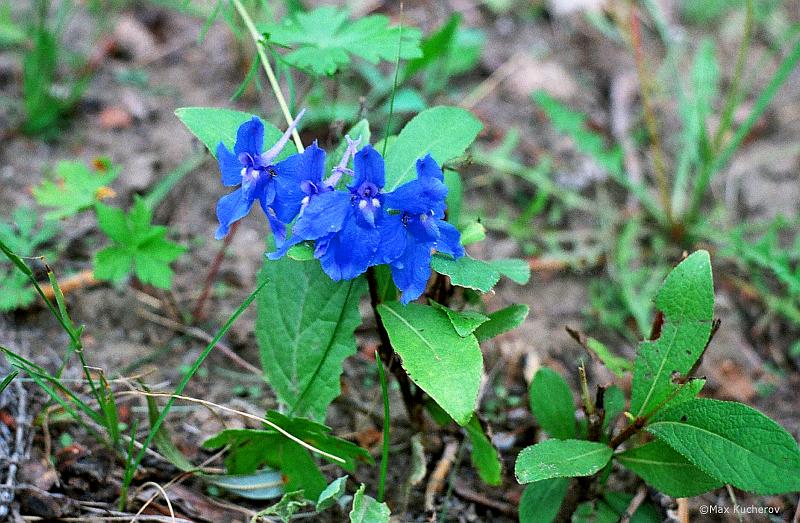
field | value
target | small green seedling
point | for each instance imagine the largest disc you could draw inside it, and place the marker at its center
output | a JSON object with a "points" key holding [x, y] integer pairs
{"points": [[139, 247], [75, 187]]}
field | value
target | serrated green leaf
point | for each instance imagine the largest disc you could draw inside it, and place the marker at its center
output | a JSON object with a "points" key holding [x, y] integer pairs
{"points": [[331, 494], [556, 458], [263, 484], [514, 269], [212, 125], [74, 188], [325, 38], [502, 321], [552, 404], [304, 330], [464, 322], [367, 510], [485, 458], [445, 365], [541, 500], [733, 443], [687, 301], [138, 245], [112, 264], [443, 132], [466, 271], [666, 470]]}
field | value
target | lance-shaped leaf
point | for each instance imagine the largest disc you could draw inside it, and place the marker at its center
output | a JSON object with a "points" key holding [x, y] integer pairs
{"points": [[485, 457], [555, 458], [445, 365], [466, 272], [732, 442], [667, 470], [502, 321], [687, 301], [305, 330]]}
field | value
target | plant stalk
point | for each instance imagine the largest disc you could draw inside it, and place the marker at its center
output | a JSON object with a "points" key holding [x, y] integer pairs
{"points": [[258, 39]]}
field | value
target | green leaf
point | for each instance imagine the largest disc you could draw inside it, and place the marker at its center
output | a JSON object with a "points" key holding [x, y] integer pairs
{"points": [[325, 39], [212, 125], [611, 507], [251, 449], [434, 47], [137, 244], [687, 301], [112, 264], [668, 471], [304, 330], [552, 404], [616, 364], [264, 484], [443, 132], [290, 504], [73, 188], [454, 200], [464, 322], [613, 404], [331, 494], [367, 510], [445, 365], [466, 271], [485, 457], [555, 458], [502, 321], [514, 269], [473, 233], [163, 439], [541, 500], [733, 443]]}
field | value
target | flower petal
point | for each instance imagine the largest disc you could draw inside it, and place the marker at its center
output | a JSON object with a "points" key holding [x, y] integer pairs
{"points": [[350, 251], [428, 168], [292, 172], [249, 137], [393, 239], [368, 166], [412, 270], [449, 240], [231, 208], [277, 227], [229, 166], [325, 213]]}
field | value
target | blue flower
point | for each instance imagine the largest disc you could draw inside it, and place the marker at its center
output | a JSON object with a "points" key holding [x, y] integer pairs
{"points": [[418, 228], [256, 174], [347, 224]]}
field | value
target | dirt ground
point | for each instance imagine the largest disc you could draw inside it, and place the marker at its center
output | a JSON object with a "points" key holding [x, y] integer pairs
{"points": [[563, 55]]}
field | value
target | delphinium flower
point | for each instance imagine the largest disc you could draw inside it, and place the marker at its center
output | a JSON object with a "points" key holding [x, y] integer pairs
{"points": [[256, 174], [418, 228], [346, 224]]}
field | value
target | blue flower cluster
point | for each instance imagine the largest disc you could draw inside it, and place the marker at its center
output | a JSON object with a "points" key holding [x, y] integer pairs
{"points": [[353, 226]]}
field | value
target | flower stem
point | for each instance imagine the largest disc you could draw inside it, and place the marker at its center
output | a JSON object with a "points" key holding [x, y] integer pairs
{"points": [[199, 309], [386, 426], [258, 39]]}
